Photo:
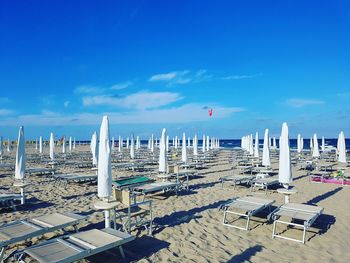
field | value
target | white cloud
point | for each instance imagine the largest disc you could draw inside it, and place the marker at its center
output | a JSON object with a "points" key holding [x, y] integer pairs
{"points": [[163, 77], [139, 100], [183, 114], [86, 89], [66, 103], [5, 112], [299, 103], [175, 77], [237, 77], [122, 85]]}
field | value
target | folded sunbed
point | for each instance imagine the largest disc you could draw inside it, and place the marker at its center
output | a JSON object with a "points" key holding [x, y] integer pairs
{"points": [[157, 187], [77, 246], [263, 183], [21, 230], [76, 178], [244, 207], [236, 179], [305, 214], [7, 166], [7, 199], [40, 171]]}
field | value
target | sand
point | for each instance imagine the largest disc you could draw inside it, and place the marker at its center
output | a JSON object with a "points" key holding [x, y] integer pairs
{"points": [[189, 226]]}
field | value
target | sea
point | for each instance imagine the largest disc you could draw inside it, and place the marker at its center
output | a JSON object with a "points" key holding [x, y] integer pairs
{"points": [[233, 143]]}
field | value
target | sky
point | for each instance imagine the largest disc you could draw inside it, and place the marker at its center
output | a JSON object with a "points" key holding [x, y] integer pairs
{"points": [[154, 64]]}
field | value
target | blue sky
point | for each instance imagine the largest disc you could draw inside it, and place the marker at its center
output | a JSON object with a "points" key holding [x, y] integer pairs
{"points": [[154, 64]]}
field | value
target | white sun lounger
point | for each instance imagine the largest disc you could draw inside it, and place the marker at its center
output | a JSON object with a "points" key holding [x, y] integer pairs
{"points": [[7, 199], [263, 183], [40, 171], [244, 207], [307, 214], [7, 166], [77, 246], [22, 230], [76, 178], [157, 187], [236, 179]]}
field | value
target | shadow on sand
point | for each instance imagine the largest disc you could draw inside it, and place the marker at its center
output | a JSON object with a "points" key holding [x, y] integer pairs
{"points": [[182, 217], [247, 254], [324, 196]]}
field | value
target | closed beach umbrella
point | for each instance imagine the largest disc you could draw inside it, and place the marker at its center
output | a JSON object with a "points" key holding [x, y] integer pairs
{"points": [[195, 145], [20, 156], [74, 144], [207, 144], [8, 145], [203, 144], [323, 146], [120, 145], [70, 143], [112, 144], [52, 147], [132, 147], [188, 142], [41, 144], [341, 148], [315, 150], [36, 144], [256, 148], [167, 144], [311, 145], [285, 171], [94, 149], [184, 149], [274, 144], [162, 152], [64, 145], [266, 150], [251, 145], [104, 180], [299, 143], [127, 142], [152, 143]]}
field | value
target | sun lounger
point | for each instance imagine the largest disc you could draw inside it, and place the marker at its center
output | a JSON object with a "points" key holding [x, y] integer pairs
{"points": [[244, 207], [157, 187], [236, 179], [7, 166], [307, 214], [131, 182], [76, 178], [40, 171], [263, 183], [78, 246], [22, 230], [7, 199]]}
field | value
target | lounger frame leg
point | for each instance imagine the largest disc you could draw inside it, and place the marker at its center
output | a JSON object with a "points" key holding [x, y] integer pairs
{"points": [[289, 238], [235, 226], [122, 251], [2, 253]]}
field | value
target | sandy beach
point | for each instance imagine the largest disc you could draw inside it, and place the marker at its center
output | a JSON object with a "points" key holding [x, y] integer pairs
{"points": [[188, 227]]}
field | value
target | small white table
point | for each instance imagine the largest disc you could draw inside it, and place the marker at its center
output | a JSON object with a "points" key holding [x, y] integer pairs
{"points": [[107, 206], [22, 185], [287, 193]]}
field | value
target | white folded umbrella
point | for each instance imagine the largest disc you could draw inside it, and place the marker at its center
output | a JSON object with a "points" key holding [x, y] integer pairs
{"points": [[20, 156], [285, 171], [163, 162], [266, 150], [52, 147], [104, 180], [184, 149]]}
